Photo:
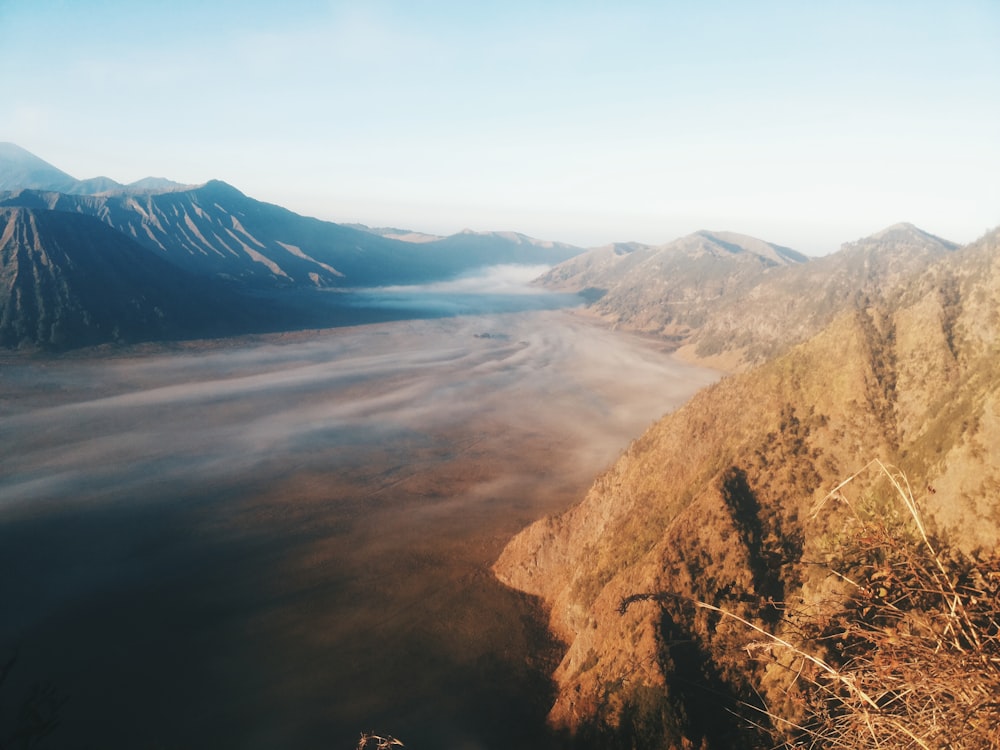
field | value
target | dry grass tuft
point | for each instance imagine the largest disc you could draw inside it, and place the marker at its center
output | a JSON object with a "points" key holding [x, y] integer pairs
{"points": [[910, 655], [906, 656], [377, 742]]}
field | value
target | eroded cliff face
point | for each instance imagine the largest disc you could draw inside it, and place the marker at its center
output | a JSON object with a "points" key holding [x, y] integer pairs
{"points": [[726, 502]]}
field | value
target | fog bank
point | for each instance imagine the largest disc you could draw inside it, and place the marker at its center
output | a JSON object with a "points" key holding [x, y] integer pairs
{"points": [[285, 540]]}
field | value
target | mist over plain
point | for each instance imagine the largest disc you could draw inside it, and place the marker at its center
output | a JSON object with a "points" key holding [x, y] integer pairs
{"points": [[285, 540]]}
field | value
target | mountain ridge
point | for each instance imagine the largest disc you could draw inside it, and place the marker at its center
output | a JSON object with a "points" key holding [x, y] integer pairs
{"points": [[20, 169], [69, 280], [714, 503], [216, 230], [736, 301]]}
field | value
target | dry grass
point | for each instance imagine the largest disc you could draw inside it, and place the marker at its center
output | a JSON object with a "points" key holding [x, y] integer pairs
{"points": [[370, 740], [909, 656]]}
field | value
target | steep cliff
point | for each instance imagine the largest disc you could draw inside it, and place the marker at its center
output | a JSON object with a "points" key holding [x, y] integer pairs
{"points": [[714, 503]]}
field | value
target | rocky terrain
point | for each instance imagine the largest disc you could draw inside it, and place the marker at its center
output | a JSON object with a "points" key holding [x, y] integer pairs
{"points": [[717, 502]]}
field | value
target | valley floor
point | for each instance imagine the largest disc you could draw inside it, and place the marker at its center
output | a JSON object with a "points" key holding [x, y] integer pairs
{"points": [[282, 541]]}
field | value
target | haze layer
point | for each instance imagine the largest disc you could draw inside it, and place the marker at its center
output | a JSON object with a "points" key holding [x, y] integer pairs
{"points": [[284, 541]]}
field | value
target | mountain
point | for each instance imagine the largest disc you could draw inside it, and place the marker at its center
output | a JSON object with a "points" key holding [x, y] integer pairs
{"points": [[215, 230], [484, 248], [68, 280], [785, 308], [733, 301], [211, 238], [668, 290], [493, 248], [706, 257], [154, 184], [22, 169], [726, 502], [395, 233]]}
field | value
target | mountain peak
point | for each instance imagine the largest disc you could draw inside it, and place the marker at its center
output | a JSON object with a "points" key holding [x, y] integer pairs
{"points": [[22, 170], [904, 235], [218, 187], [155, 184], [19, 168], [515, 238], [722, 243]]}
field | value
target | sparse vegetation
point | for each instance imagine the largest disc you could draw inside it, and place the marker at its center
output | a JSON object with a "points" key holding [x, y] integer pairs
{"points": [[905, 653], [907, 656], [372, 741]]}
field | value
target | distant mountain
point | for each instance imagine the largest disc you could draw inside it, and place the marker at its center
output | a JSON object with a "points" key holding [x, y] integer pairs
{"points": [[599, 268], [701, 258], [154, 184], [22, 169], [670, 289], [734, 301], [788, 307], [484, 248], [394, 233], [717, 502], [211, 239], [67, 280], [215, 230]]}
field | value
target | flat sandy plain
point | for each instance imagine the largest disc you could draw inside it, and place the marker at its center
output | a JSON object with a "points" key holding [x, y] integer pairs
{"points": [[282, 541]]}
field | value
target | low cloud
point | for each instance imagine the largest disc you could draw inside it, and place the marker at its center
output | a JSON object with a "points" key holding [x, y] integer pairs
{"points": [[492, 289]]}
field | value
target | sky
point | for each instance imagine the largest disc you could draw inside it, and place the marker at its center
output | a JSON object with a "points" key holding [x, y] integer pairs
{"points": [[805, 124]]}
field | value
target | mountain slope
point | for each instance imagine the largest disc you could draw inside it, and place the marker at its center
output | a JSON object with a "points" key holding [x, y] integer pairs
{"points": [[624, 268], [784, 308], [713, 504], [21, 169], [215, 230], [733, 301], [69, 280], [668, 290]]}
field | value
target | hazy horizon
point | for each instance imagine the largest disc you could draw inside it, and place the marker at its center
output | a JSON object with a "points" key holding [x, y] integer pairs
{"points": [[585, 123]]}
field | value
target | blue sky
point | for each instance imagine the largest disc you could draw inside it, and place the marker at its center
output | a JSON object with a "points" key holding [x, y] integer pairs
{"points": [[807, 124]]}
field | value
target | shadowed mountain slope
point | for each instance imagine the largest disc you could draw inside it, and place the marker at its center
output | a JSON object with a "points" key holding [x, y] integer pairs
{"points": [[215, 230], [214, 238], [68, 280], [713, 503]]}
